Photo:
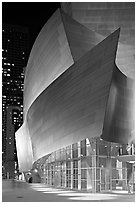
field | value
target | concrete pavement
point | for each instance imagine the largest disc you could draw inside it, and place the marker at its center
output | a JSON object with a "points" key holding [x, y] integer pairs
{"points": [[24, 192]]}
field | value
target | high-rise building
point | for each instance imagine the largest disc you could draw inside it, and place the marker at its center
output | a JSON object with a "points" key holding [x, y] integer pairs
{"points": [[15, 50], [78, 110]]}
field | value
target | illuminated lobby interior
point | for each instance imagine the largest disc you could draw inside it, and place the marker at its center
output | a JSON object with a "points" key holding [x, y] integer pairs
{"points": [[78, 129], [87, 165]]}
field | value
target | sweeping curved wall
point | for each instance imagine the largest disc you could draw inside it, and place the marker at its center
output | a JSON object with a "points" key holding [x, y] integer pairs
{"points": [[104, 18], [67, 94]]}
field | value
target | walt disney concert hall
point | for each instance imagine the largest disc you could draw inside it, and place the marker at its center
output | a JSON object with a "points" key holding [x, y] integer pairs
{"points": [[78, 129]]}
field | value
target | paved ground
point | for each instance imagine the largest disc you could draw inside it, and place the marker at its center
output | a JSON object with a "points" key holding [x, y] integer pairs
{"points": [[23, 192]]}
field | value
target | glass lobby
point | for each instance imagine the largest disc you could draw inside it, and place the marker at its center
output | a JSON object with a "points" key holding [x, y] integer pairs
{"points": [[90, 164]]}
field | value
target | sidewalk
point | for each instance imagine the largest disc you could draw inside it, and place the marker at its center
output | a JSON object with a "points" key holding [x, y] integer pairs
{"points": [[24, 192]]}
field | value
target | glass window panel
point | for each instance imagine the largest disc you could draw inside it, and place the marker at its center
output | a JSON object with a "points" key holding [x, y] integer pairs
{"points": [[97, 186], [75, 184], [124, 173], [103, 149], [68, 152], [114, 173], [75, 150], [75, 171], [57, 155], [75, 174], [63, 165], [63, 154], [103, 186], [98, 174], [89, 161], [102, 162], [124, 149], [83, 147], [90, 173], [113, 184], [83, 162], [75, 164], [68, 164], [58, 166], [68, 174], [68, 183], [102, 175], [89, 150], [83, 184], [113, 162], [83, 173], [48, 167], [114, 150]]}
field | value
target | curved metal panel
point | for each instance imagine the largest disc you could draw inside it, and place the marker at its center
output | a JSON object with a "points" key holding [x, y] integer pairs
{"points": [[119, 118], [24, 148], [68, 94], [104, 18], [50, 56], [73, 106], [61, 42], [80, 38]]}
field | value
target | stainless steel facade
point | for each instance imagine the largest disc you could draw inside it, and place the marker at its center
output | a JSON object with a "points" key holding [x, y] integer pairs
{"points": [[104, 18], [74, 92]]}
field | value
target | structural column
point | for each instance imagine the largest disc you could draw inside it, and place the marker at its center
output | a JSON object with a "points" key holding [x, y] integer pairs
{"points": [[79, 167], [91, 172]]}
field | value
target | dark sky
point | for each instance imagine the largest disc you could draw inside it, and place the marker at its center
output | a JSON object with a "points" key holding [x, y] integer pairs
{"points": [[29, 14]]}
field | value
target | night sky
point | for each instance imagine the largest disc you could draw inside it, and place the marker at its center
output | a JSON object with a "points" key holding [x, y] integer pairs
{"points": [[29, 14]]}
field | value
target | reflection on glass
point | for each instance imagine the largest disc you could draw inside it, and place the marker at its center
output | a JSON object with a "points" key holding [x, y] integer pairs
{"points": [[75, 150], [99, 170]]}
